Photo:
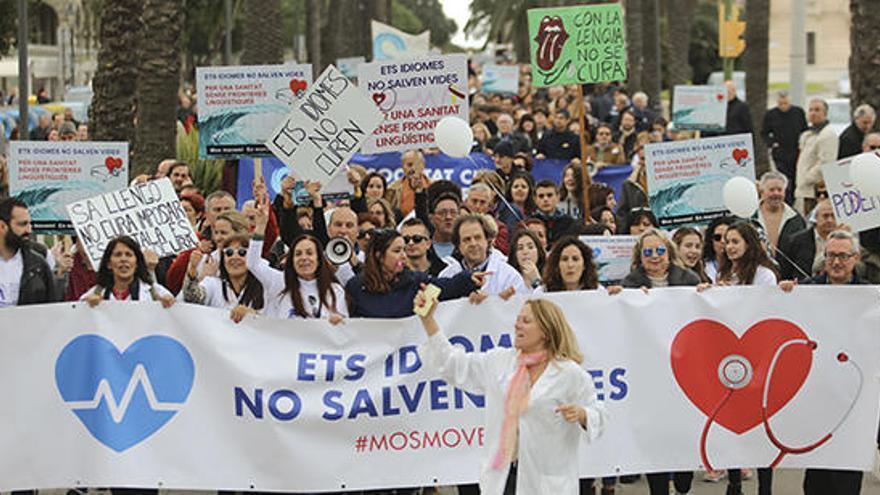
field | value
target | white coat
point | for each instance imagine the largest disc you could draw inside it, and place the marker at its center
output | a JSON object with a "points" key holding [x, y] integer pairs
{"points": [[548, 456], [503, 275]]}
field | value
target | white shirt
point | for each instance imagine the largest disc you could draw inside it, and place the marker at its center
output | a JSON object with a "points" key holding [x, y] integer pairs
{"points": [[547, 452], [763, 276], [10, 279], [503, 275], [143, 293], [213, 288], [278, 305]]}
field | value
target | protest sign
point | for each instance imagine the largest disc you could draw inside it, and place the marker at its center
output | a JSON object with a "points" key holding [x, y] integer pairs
{"points": [[686, 178], [150, 213], [167, 399], [500, 79], [577, 45], [240, 106], [349, 66], [414, 95], [390, 43], [612, 255], [851, 207], [700, 108], [325, 128], [47, 175]]}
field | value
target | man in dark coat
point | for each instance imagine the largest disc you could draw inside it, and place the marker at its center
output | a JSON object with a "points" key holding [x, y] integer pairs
{"points": [[852, 137], [781, 131]]}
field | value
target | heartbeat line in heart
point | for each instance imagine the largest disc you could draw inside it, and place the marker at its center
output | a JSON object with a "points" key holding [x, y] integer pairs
{"points": [[117, 411]]}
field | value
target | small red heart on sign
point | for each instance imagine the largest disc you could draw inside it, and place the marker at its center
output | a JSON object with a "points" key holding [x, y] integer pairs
{"points": [[699, 349], [378, 98], [112, 163], [740, 154], [298, 86], [719, 97]]}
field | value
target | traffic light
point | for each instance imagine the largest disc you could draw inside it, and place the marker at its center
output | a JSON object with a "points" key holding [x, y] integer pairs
{"points": [[730, 31]]}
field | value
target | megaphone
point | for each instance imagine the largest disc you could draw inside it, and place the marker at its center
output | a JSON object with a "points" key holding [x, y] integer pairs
{"points": [[339, 250]]}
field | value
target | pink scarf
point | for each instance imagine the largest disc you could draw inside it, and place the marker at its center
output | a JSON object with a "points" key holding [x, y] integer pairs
{"points": [[516, 401]]}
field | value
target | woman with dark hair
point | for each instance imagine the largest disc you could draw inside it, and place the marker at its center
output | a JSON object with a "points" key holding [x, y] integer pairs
{"points": [[745, 261], [306, 288], [605, 216], [639, 220], [527, 256], [529, 129], [382, 212], [569, 266], [373, 186], [235, 288], [690, 250], [520, 196], [713, 248], [601, 195], [571, 192], [124, 275], [634, 190], [386, 287]]}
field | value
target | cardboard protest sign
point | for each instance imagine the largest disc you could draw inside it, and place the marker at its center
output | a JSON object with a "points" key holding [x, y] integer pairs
{"points": [[150, 213], [414, 95], [47, 175], [325, 128], [240, 106], [612, 255], [390, 43], [500, 79], [577, 45], [349, 66], [700, 108], [686, 178], [851, 207]]}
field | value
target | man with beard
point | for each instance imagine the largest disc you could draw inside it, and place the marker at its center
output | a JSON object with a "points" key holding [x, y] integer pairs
{"points": [[25, 277]]}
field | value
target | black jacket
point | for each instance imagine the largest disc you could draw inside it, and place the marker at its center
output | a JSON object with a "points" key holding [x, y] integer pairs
{"points": [[398, 303], [800, 249], [37, 281], [631, 196], [556, 145], [739, 119], [850, 142], [781, 132], [678, 276], [823, 280]]}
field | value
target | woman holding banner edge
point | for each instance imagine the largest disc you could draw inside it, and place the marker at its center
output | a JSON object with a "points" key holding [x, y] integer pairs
{"points": [[531, 440]]}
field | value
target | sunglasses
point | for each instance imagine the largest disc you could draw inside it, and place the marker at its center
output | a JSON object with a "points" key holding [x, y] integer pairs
{"points": [[821, 194], [874, 147], [242, 252], [648, 252], [415, 239], [717, 237], [363, 233]]}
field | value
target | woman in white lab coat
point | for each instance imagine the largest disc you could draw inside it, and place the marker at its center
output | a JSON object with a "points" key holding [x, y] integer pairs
{"points": [[539, 400]]}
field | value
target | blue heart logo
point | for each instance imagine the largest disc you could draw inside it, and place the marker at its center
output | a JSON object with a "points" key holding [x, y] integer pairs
{"points": [[123, 398]]}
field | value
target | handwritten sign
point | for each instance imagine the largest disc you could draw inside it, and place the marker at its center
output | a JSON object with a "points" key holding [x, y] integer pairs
{"points": [[47, 175], [700, 108], [851, 207], [686, 178], [324, 129], [612, 255], [414, 95], [150, 213], [500, 79], [240, 106], [577, 45]]}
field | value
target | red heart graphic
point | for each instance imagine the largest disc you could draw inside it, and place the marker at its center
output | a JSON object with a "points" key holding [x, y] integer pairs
{"points": [[378, 98], [701, 345], [112, 163], [740, 154], [298, 86], [719, 97]]}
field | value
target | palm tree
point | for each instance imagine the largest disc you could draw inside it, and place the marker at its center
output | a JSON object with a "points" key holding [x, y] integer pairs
{"points": [[864, 59], [756, 64], [263, 33], [313, 34], [158, 82], [634, 43], [111, 114], [652, 78], [679, 15]]}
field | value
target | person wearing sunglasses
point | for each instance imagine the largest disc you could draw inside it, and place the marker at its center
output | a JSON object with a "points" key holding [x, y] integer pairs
{"points": [[417, 246], [713, 248], [235, 288], [655, 263]]}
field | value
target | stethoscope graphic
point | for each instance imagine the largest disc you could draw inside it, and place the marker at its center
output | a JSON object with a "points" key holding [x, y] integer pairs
{"points": [[735, 372]]}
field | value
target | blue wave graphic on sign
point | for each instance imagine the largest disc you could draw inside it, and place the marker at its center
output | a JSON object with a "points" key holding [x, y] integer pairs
{"points": [[123, 398]]}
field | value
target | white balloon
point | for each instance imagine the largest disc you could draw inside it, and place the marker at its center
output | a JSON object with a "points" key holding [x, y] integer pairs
{"points": [[741, 196], [864, 171], [454, 137]]}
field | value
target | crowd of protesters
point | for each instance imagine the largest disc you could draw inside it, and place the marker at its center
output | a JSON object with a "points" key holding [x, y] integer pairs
{"points": [[506, 235]]}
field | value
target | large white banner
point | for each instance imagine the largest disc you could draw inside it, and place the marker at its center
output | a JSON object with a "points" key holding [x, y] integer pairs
{"points": [[851, 207], [414, 95], [47, 175], [325, 128], [129, 394]]}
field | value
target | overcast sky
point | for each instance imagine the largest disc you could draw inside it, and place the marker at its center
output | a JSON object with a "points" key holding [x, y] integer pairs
{"points": [[460, 11]]}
